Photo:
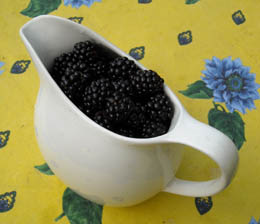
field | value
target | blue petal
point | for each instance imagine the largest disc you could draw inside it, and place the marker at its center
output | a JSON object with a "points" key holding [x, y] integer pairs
{"points": [[207, 80], [257, 86], [237, 104], [209, 62], [227, 96], [1, 63], [244, 72], [219, 65], [227, 63], [249, 84], [244, 94], [249, 104], [228, 73], [250, 76], [234, 94], [88, 2], [253, 221], [221, 87], [66, 2], [207, 73], [216, 61], [218, 96], [229, 107], [237, 63], [213, 84], [218, 99], [236, 71], [254, 95], [211, 70]]}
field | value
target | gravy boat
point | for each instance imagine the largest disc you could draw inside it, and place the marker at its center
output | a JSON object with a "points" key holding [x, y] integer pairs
{"points": [[103, 166]]}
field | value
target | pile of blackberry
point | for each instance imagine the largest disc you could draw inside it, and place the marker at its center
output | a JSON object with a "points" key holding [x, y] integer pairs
{"points": [[114, 91]]}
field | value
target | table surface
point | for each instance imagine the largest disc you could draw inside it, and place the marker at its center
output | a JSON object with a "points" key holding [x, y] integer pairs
{"points": [[188, 43]]}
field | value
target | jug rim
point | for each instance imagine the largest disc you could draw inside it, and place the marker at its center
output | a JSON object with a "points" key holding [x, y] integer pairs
{"points": [[178, 108]]}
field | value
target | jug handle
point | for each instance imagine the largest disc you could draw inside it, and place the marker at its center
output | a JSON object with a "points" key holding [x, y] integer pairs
{"points": [[215, 145]]}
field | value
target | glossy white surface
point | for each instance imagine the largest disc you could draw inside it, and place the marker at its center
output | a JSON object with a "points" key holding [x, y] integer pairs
{"points": [[100, 165]]}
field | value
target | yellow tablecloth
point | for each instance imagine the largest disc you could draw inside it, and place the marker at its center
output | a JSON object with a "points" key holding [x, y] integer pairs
{"points": [[172, 37]]}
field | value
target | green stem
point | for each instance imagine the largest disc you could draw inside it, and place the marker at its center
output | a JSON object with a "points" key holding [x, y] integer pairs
{"points": [[218, 105], [59, 217]]}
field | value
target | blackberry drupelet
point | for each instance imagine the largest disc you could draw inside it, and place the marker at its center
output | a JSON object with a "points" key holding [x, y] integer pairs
{"points": [[121, 67], [118, 107], [146, 82], [153, 129], [95, 95], [159, 108]]}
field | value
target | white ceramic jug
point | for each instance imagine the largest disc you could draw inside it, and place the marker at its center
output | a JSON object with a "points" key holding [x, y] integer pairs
{"points": [[103, 166]]}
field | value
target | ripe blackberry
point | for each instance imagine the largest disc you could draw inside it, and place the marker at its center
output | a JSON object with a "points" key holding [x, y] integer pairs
{"points": [[159, 108], [85, 51], [61, 63], [71, 83], [118, 107], [114, 92], [123, 86], [101, 118], [121, 67], [146, 82], [152, 129], [95, 95]]}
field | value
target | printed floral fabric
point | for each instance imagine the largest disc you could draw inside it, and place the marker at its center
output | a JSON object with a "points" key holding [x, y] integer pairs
{"points": [[208, 54]]}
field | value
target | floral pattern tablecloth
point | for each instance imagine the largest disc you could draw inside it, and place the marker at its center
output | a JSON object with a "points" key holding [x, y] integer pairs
{"points": [[207, 51]]}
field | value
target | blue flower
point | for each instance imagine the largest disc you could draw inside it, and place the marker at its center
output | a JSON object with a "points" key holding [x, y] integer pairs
{"points": [[1, 65], [253, 221], [231, 83], [79, 3]]}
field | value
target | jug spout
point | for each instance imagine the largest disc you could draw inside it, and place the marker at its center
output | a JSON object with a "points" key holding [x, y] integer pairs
{"points": [[46, 37]]}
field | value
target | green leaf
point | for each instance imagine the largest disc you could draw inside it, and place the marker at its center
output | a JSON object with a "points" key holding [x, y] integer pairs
{"points": [[198, 90], [188, 2], [231, 124], [44, 168], [79, 210], [40, 7]]}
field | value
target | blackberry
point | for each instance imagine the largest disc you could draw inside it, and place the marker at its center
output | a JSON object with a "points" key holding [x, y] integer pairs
{"points": [[153, 129], [101, 118], [60, 64], [146, 82], [85, 51], [95, 95], [123, 86], [71, 83], [159, 108], [118, 107], [114, 92], [121, 67]]}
